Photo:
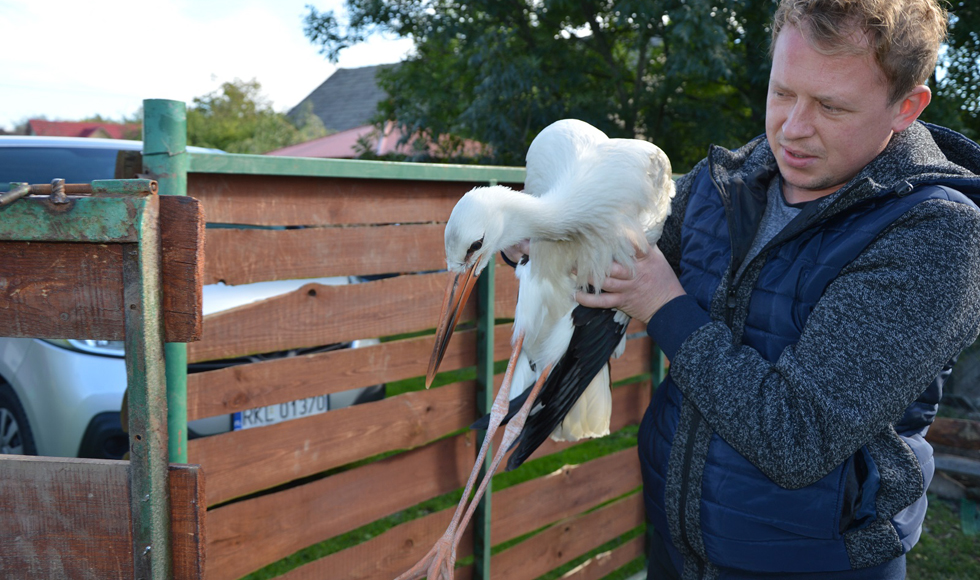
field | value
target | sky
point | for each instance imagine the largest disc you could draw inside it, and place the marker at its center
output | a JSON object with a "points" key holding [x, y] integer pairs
{"points": [[72, 59]]}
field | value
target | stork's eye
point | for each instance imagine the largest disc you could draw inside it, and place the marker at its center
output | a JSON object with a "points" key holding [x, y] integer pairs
{"points": [[475, 246]]}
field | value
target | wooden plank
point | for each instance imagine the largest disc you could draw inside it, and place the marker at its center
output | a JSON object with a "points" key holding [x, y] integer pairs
{"points": [[242, 256], [70, 518], [188, 523], [572, 489], [182, 276], [242, 462], [316, 314], [308, 201], [254, 385], [601, 565], [397, 549], [247, 535], [568, 540], [290, 450], [387, 555], [74, 290], [241, 387], [964, 467], [957, 433], [61, 290]]}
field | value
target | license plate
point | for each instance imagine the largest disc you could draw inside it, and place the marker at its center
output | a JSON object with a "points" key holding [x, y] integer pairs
{"points": [[273, 414]]}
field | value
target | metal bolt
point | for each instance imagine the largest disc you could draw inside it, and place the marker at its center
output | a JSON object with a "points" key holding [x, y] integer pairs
{"points": [[146, 551], [58, 191]]}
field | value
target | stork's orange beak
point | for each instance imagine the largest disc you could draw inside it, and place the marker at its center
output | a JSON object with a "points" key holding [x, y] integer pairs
{"points": [[457, 292]]}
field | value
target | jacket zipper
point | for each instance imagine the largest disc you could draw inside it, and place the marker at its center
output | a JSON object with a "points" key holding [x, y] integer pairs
{"points": [[730, 300], [696, 421]]}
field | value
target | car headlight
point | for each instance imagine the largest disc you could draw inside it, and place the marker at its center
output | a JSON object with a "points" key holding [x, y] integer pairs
{"points": [[100, 347]]}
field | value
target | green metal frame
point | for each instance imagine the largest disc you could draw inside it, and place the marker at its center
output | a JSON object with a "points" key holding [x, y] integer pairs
{"points": [[165, 158], [351, 168], [126, 215], [484, 401]]}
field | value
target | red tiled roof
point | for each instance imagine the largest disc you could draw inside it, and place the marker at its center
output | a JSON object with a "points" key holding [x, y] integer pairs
{"points": [[82, 129]]}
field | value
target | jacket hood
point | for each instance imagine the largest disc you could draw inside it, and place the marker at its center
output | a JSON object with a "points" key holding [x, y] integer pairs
{"points": [[922, 154]]}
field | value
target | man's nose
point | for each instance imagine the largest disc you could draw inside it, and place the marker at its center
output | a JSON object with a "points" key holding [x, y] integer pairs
{"points": [[799, 121]]}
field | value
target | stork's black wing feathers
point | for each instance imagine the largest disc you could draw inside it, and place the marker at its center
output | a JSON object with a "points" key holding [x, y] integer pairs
{"points": [[594, 339], [596, 336]]}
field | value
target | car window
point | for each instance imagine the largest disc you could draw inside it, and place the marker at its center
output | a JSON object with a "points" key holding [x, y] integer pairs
{"points": [[42, 164]]}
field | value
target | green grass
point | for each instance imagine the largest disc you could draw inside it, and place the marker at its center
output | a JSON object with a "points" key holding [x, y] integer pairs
{"points": [[944, 552]]}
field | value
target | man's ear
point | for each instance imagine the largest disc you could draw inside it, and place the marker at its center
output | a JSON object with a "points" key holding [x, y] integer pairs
{"points": [[910, 107]]}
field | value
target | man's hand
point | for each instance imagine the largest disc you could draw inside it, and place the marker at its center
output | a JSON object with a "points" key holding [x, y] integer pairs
{"points": [[641, 295]]}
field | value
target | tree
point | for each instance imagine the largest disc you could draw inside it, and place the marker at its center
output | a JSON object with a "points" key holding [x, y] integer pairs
{"points": [[681, 73], [956, 82], [238, 119]]}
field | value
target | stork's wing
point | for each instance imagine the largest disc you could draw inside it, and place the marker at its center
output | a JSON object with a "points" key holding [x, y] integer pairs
{"points": [[594, 339]]}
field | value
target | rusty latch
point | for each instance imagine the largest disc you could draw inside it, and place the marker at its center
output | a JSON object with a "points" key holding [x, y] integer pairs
{"points": [[17, 191]]}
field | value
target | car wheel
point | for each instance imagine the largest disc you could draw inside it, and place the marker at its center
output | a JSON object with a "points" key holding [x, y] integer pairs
{"points": [[15, 432]]}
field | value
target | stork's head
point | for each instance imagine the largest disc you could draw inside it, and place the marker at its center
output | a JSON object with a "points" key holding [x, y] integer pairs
{"points": [[474, 234], [475, 231]]}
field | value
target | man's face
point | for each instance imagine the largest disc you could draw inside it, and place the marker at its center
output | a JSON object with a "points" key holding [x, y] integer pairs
{"points": [[826, 116]]}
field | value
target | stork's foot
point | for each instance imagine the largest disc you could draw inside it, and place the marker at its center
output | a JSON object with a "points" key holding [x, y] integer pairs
{"points": [[439, 563]]}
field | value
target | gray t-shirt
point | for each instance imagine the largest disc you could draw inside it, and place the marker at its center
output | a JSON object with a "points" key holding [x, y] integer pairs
{"points": [[778, 213]]}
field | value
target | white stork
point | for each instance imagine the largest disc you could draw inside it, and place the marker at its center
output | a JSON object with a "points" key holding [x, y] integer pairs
{"points": [[593, 201]]}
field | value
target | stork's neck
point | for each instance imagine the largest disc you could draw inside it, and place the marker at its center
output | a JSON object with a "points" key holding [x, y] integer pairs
{"points": [[528, 216]]}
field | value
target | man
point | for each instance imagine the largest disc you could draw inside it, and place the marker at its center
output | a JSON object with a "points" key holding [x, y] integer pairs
{"points": [[813, 289]]}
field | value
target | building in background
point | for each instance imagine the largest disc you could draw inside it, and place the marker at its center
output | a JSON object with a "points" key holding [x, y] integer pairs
{"points": [[346, 103], [99, 129]]}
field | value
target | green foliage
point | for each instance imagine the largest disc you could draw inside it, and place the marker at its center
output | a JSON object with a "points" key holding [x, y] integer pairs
{"points": [[956, 85], [238, 119], [682, 73]]}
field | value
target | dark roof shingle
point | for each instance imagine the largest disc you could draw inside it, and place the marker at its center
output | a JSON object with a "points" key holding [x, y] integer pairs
{"points": [[348, 98]]}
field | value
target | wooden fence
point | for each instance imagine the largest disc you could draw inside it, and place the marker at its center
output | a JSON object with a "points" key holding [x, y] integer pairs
{"points": [[276, 490]]}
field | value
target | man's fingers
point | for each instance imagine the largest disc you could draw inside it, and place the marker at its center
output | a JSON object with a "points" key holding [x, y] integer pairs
{"points": [[619, 271], [615, 284], [603, 300]]}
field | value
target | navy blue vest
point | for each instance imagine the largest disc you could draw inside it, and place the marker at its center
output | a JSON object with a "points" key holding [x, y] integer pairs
{"points": [[747, 521]]}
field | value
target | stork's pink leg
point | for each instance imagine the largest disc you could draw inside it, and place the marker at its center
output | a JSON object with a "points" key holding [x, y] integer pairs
{"points": [[514, 427], [438, 564]]}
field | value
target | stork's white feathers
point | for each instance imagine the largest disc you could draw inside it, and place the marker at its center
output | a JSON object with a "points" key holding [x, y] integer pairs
{"points": [[588, 201]]}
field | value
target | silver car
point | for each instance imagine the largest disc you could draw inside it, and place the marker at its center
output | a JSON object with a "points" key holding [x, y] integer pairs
{"points": [[62, 397]]}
